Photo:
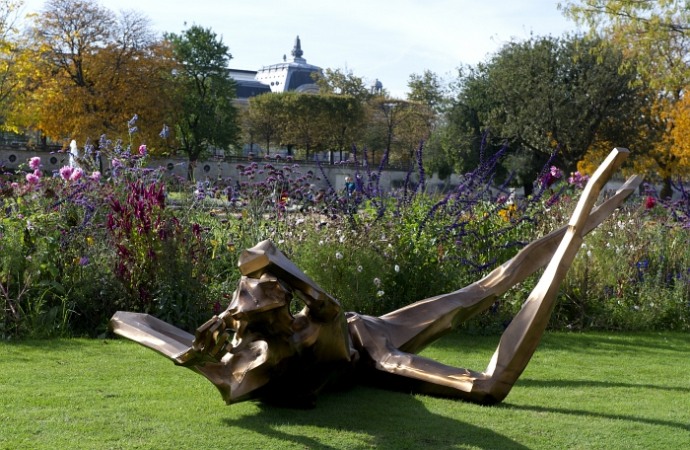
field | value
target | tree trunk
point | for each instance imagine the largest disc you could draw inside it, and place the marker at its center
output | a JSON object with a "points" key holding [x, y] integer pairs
{"points": [[190, 170], [666, 189]]}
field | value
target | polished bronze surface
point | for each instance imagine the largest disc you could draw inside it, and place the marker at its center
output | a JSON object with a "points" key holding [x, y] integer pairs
{"points": [[257, 349]]}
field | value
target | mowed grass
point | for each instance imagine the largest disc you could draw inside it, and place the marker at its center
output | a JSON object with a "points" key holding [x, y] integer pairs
{"points": [[580, 391]]}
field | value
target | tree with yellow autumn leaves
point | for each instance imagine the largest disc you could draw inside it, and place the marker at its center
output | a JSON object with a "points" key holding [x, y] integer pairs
{"points": [[86, 71]]}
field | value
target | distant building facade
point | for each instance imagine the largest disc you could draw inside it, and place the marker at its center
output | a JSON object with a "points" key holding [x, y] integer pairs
{"points": [[295, 75]]}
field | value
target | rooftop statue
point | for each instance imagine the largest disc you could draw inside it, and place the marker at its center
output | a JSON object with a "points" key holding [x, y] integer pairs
{"points": [[258, 349]]}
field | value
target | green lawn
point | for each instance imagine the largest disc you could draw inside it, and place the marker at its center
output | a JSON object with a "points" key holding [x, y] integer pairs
{"points": [[593, 390]]}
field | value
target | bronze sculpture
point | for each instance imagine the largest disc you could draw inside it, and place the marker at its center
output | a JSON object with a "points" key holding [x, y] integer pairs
{"points": [[258, 349]]}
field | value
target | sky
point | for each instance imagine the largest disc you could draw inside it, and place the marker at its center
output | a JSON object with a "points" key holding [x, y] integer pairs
{"points": [[386, 40]]}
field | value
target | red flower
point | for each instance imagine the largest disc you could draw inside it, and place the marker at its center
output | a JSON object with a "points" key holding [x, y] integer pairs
{"points": [[649, 202]]}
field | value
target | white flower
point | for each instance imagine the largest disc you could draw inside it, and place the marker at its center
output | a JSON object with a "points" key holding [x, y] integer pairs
{"points": [[380, 293], [321, 242], [359, 268], [377, 282], [396, 268], [342, 239], [338, 255]]}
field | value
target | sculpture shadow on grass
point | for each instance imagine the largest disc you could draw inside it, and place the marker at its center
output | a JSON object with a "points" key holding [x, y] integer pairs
{"points": [[575, 384], [635, 344], [591, 414], [389, 419]]}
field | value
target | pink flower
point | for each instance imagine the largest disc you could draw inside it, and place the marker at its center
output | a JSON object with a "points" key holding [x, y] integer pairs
{"points": [[550, 177], [14, 185], [76, 174], [96, 175], [116, 163], [142, 149], [577, 179], [35, 162], [32, 178], [65, 172]]}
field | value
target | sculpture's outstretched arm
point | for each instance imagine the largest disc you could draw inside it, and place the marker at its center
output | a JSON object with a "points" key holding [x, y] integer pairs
{"points": [[378, 337], [415, 326]]}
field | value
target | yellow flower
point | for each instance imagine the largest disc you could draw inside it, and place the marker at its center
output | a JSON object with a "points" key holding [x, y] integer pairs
{"points": [[89, 240], [508, 213]]}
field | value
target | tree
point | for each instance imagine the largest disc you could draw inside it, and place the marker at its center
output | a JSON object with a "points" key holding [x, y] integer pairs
{"points": [[342, 122], [653, 34], [264, 119], [341, 82], [676, 138], [304, 121], [9, 80], [548, 94], [398, 127], [427, 89], [89, 71], [655, 38], [204, 91]]}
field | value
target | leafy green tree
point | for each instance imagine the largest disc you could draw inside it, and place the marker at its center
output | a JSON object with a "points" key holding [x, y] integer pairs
{"points": [[341, 82], [304, 121], [264, 119], [397, 127], [427, 89], [547, 94], [342, 122], [205, 92]]}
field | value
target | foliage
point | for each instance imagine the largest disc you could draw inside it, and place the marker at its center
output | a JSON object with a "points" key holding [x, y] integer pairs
{"points": [[86, 71], [9, 80], [305, 122], [264, 119], [398, 127], [428, 89], [204, 91], [78, 246], [654, 36], [341, 82], [544, 95]]}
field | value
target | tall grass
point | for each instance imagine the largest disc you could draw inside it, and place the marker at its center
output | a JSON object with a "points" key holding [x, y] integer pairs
{"points": [[76, 246]]}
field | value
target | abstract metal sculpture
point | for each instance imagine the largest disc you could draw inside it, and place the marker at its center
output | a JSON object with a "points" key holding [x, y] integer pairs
{"points": [[258, 349]]}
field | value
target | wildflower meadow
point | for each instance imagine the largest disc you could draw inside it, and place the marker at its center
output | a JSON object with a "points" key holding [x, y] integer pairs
{"points": [[77, 245]]}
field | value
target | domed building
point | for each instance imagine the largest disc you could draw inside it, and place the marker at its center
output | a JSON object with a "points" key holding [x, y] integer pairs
{"points": [[295, 75]]}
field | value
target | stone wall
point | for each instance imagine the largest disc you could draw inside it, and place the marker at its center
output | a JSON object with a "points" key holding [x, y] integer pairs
{"points": [[14, 158]]}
